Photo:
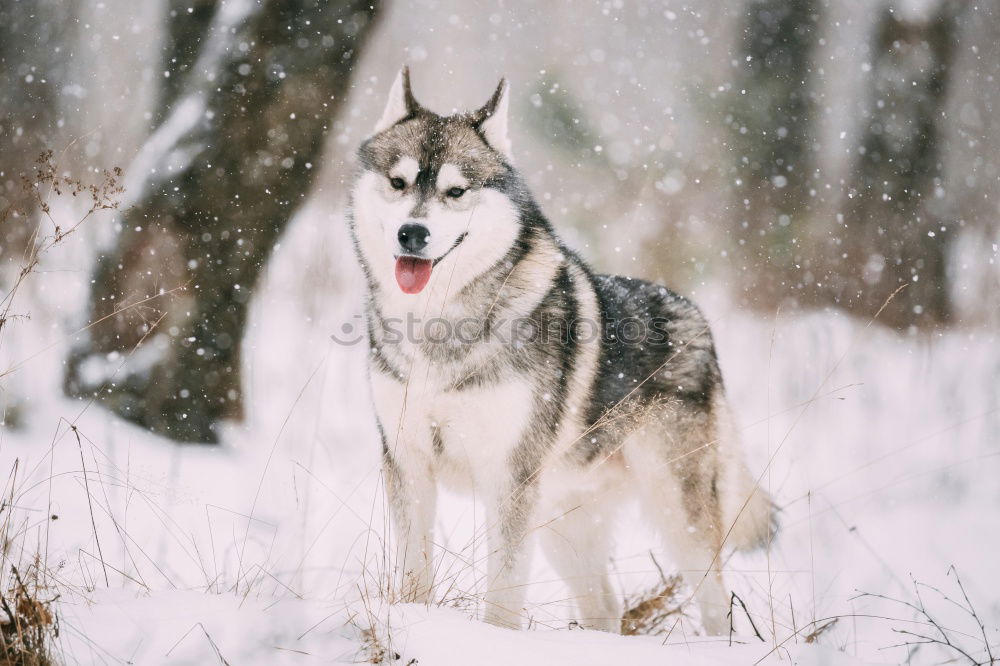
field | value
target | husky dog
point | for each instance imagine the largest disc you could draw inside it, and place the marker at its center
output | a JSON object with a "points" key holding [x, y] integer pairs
{"points": [[549, 393]]}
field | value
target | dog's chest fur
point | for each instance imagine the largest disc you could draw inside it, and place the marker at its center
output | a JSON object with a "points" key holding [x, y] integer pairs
{"points": [[463, 404], [461, 434]]}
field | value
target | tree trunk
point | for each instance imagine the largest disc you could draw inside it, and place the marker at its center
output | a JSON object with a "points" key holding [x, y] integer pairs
{"points": [[771, 122], [896, 230], [187, 30], [210, 192], [32, 69]]}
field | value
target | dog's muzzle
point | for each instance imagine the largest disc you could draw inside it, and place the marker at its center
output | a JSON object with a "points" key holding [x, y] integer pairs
{"points": [[413, 237], [414, 272]]}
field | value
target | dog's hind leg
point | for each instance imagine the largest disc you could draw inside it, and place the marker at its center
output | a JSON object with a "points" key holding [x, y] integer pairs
{"points": [[675, 465], [575, 533]]}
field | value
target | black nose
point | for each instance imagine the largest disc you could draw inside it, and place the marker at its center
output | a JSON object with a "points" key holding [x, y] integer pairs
{"points": [[413, 237]]}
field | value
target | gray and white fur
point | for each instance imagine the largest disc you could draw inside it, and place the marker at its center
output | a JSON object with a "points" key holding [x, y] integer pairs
{"points": [[551, 432]]}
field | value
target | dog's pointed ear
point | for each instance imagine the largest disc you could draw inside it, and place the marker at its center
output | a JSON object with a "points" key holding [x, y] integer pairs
{"points": [[401, 103], [491, 120]]}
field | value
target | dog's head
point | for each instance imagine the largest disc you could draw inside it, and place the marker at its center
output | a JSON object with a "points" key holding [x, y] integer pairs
{"points": [[430, 206]]}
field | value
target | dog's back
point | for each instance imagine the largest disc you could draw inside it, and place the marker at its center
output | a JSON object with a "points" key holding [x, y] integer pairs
{"points": [[655, 346]]}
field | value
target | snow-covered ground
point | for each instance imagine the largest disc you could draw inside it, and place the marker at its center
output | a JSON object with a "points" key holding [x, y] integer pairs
{"points": [[884, 456]]}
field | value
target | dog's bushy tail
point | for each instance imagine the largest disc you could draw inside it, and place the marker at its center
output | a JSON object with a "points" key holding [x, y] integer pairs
{"points": [[748, 512]]}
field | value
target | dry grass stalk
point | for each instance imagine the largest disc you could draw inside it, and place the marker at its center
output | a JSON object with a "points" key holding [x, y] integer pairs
{"points": [[655, 610], [29, 625], [820, 629], [960, 644]]}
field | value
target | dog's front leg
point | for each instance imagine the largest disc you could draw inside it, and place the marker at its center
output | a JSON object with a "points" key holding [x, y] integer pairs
{"points": [[507, 514], [412, 498]]}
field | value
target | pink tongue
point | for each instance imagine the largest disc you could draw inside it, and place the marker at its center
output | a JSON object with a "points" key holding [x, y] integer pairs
{"points": [[412, 274]]}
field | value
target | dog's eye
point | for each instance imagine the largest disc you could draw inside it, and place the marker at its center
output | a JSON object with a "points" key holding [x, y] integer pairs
{"points": [[397, 183], [455, 192]]}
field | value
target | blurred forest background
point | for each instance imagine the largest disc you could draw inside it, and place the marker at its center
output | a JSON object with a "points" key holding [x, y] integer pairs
{"points": [[795, 166], [797, 154]]}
